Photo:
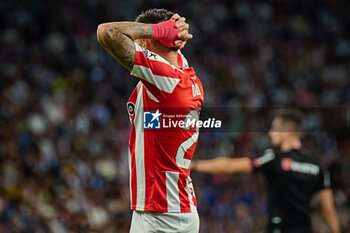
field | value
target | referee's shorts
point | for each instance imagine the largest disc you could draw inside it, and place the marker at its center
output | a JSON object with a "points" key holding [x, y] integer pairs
{"points": [[149, 222]]}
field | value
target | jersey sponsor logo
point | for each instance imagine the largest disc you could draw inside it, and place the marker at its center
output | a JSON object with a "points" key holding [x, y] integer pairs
{"points": [[131, 108], [149, 54], [267, 157], [195, 90], [151, 120], [288, 164]]}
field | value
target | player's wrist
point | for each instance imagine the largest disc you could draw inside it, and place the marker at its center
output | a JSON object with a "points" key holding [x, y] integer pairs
{"points": [[166, 32]]}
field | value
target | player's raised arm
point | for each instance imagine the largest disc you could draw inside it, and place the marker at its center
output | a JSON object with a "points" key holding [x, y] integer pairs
{"points": [[223, 165], [118, 37], [328, 209]]}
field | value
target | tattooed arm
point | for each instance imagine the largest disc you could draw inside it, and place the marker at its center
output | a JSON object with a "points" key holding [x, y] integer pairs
{"points": [[117, 38]]}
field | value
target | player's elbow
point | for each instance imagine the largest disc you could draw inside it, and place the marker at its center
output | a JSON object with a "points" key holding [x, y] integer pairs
{"points": [[101, 33]]}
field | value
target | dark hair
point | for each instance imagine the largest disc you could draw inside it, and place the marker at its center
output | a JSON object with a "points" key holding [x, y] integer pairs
{"points": [[293, 116], [154, 16]]}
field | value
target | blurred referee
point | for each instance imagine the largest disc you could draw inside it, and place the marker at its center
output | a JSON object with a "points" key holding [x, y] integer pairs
{"points": [[292, 176]]}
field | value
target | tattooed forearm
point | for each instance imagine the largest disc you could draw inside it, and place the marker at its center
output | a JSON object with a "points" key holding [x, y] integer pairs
{"points": [[133, 30], [117, 38]]}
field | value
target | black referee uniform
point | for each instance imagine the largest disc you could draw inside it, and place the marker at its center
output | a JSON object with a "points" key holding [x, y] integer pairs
{"points": [[292, 178]]}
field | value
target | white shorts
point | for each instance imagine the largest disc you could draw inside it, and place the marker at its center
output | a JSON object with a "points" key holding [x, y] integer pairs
{"points": [[149, 222]]}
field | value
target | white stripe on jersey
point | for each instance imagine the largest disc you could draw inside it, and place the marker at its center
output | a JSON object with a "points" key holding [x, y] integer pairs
{"points": [[163, 83], [139, 150], [172, 191], [188, 188]]}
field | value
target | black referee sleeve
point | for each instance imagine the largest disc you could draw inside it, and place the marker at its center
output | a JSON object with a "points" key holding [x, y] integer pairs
{"points": [[264, 161]]}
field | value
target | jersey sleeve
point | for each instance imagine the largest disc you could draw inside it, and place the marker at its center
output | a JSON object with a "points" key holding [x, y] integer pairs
{"points": [[264, 161], [324, 181], [156, 73]]}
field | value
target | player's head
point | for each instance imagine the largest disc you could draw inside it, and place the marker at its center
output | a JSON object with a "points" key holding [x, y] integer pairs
{"points": [[153, 16], [287, 123]]}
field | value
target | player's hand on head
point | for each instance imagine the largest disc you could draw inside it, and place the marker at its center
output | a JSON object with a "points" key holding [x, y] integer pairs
{"points": [[180, 44], [184, 34], [172, 30], [182, 25], [175, 17]]}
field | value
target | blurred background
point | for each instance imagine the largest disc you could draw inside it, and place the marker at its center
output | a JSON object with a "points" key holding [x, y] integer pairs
{"points": [[64, 127]]}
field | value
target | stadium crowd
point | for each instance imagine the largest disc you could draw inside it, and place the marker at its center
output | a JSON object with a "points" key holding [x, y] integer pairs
{"points": [[64, 127]]}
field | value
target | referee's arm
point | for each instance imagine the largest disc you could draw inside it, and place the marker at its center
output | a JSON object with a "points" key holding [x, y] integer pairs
{"points": [[328, 210], [223, 166]]}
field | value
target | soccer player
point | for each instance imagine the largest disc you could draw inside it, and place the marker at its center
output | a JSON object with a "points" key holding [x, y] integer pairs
{"points": [[292, 176], [161, 190]]}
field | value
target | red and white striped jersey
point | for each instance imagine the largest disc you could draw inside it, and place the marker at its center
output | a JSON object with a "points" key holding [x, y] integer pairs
{"points": [[159, 158]]}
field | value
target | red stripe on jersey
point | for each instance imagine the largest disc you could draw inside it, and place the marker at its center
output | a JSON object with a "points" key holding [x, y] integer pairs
{"points": [[179, 60], [159, 199], [133, 169], [185, 204], [189, 153]]}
